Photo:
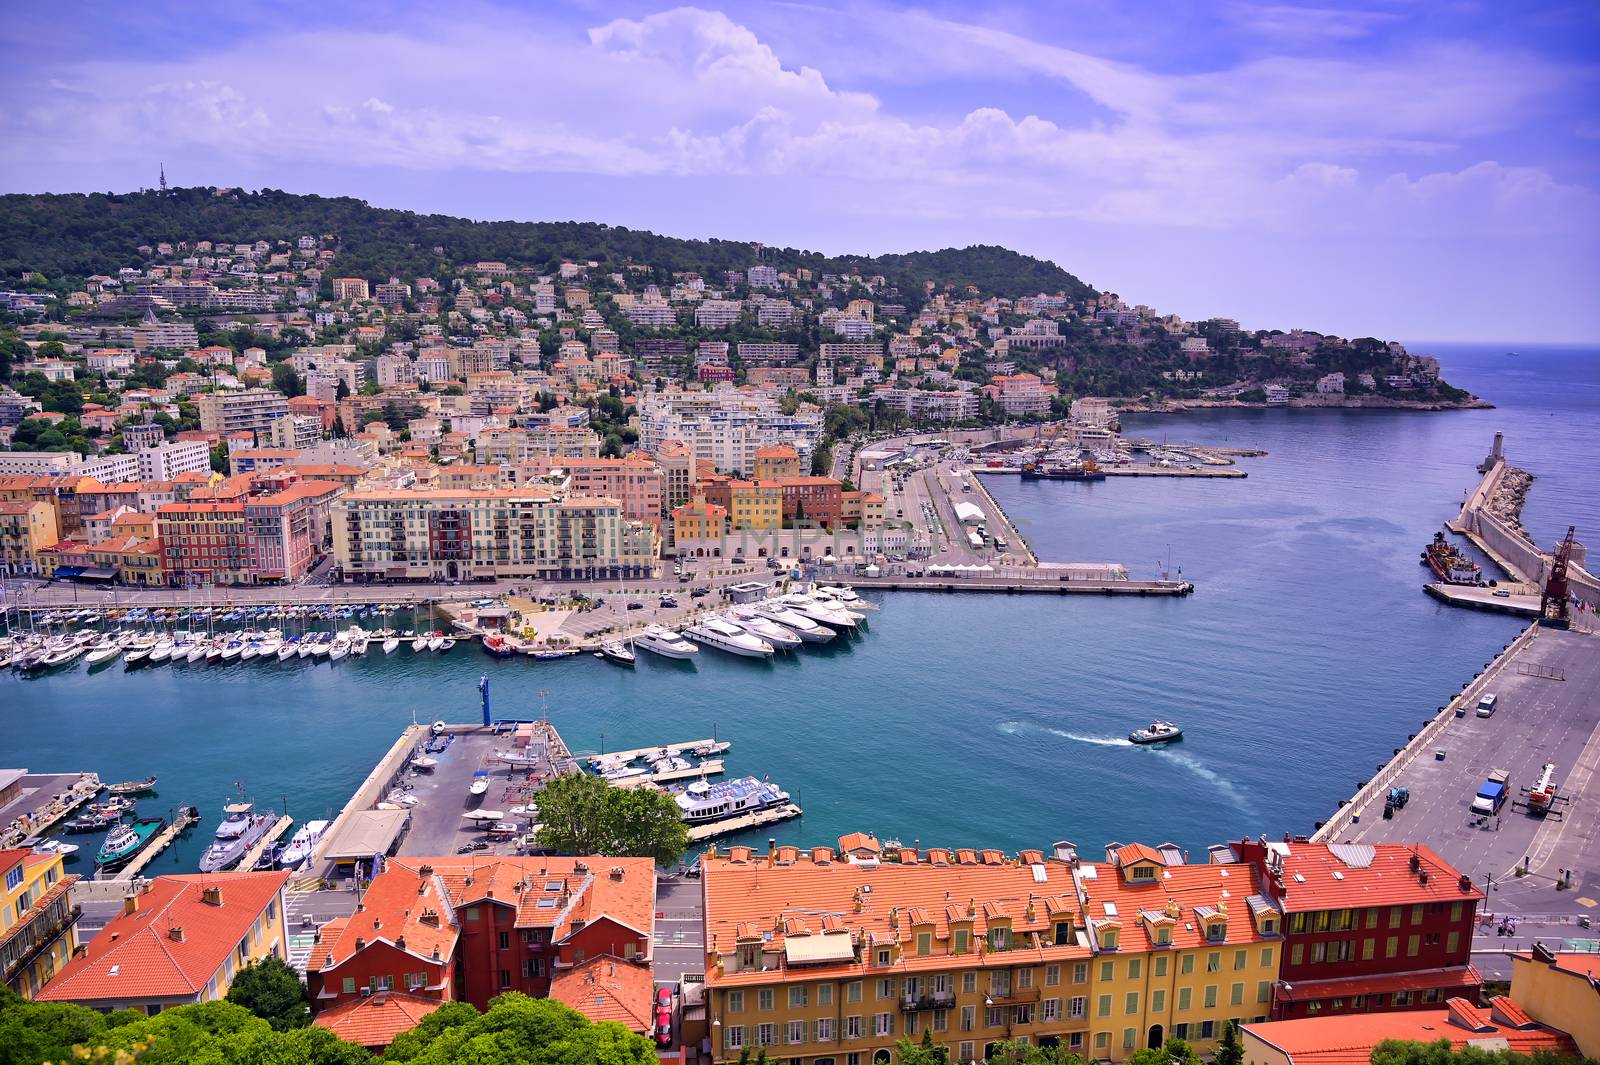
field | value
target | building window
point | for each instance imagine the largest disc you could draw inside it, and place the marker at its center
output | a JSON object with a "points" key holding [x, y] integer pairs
{"points": [[1077, 1006], [734, 1039], [824, 1029], [796, 1032], [797, 997], [349, 985], [886, 988], [764, 999], [1103, 1006], [1158, 1000], [1130, 1004], [1211, 996], [1180, 1030], [1127, 1038], [735, 1001], [824, 994], [1264, 991], [1052, 975], [852, 1028], [1080, 972], [505, 940], [1024, 977], [1051, 1009], [882, 1024], [505, 977], [1413, 945], [1402, 998], [1185, 998], [1108, 970], [1452, 942], [852, 991], [969, 983], [968, 1013], [1208, 1029], [993, 1017], [1187, 965]]}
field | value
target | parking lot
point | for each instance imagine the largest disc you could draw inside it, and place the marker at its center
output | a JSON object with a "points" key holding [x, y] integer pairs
{"points": [[439, 824]]}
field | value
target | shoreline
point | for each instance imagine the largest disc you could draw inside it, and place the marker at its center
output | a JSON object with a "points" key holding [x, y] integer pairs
{"points": [[1377, 403]]}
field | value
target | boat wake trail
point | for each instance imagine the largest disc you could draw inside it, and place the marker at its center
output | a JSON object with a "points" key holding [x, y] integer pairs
{"points": [[1098, 741], [1209, 775], [1187, 761]]}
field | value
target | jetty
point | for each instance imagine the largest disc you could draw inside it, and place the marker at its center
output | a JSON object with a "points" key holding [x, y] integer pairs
{"points": [[711, 767], [43, 800], [185, 817], [660, 750], [275, 833], [701, 833]]}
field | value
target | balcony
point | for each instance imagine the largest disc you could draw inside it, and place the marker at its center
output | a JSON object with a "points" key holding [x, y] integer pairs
{"points": [[928, 1000], [1019, 996], [26, 940]]}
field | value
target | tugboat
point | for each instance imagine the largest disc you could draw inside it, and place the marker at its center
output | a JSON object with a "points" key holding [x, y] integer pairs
{"points": [[125, 841], [1156, 732], [497, 646], [1448, 563]]}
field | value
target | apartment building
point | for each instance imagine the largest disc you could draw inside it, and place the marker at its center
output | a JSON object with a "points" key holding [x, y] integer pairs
{"points": [[756, 353], [178, 940], [491, 533], [467, 929], [755, 505], [635, 481], [37, 918], [288, 529], [349, 288], [698, 528], [205, 543], [782, 377], [1370, 927], [929, 405], [829, 956], [167, 462], [775, 462], [675, 460], [725, 427], [718, 314], [812, 499], [511, 446], [27, 526], [1022, 395], [252, 410]]}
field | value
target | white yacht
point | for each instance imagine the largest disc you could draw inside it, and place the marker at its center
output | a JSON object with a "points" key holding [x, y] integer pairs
{"points": [[796, 622], [665, 642], [764, 628], [139, 649], [304, 841], [420, 643], [819, 610], [161, 651], [436, 641], [338, 648], [844, 595], [724, 635], [703, 801], [107, 648]]}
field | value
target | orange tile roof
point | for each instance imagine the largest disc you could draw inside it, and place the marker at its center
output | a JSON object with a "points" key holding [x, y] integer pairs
{"points": [[1384, 879], [859, 841], [606, 988], [375, 1021], [1349, 1039], [137, 956], [585, 894], [1580, 964], [758, 897], [404, 907]]}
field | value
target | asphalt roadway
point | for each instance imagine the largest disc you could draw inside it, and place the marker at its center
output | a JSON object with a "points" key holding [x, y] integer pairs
{"points": [[1548, 712]]}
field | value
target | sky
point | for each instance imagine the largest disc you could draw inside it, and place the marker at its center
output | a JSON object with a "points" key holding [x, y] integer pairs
{"points": [[1415, 170]]}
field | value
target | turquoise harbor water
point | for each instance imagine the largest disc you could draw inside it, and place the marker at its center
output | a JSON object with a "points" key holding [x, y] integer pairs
{"points": [[1306, 656]]}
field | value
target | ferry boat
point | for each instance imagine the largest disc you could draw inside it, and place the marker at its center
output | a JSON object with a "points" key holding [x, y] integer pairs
{"points": [[1156, 732], [665, 642], [1448, 563], [703, 802], [304, 841], [241, 829], [1086, 470], [126, 840], [726, 636]]}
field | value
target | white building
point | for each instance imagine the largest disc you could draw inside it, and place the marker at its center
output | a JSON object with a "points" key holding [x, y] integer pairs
{"points": [[1331, 384], [718, 314], [726, 426]]}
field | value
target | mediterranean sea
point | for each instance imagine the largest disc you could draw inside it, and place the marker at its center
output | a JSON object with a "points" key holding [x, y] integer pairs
{"points": [[1306, 655]]}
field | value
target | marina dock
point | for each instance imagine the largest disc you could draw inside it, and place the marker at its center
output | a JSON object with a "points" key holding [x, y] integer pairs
{"points": [[712, 767], [163, 840], [1519, 603], [713, 745], [253, 855], [31, 804], [701, 833]]}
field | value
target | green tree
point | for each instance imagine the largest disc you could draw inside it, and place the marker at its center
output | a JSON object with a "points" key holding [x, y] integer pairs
{"points": [[285, 380], [584, 815], [219, 458], [518, 1030], [926, 1052], [1231, 1050], [273, 991]]}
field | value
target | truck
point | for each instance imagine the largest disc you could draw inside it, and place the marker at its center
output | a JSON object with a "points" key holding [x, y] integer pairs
{"points": [[1487, 705], [1542, 796], [1492, 793]]}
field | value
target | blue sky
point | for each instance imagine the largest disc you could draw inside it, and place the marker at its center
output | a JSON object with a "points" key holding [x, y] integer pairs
{"points": [[1394, 168]]}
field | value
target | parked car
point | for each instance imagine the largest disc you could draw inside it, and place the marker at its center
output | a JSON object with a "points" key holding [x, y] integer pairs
{"points": [[635, 605], [698, 593], [664, 1016]]}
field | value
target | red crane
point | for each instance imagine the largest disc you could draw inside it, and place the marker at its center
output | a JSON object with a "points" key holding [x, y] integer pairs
{"points": [[1554, 604]]}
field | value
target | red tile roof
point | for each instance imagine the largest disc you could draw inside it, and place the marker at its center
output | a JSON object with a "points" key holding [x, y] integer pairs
{"points": [[1349, 1039], [375, 1021], [403, 907], [585, 894], [606, 988], [138, 956], [1367, 875], [1383, 984]]}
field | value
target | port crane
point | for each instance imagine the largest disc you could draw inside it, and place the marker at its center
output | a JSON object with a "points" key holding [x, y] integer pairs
{"points": [[1555, 603]]}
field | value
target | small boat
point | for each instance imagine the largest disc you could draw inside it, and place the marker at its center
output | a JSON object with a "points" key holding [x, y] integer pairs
{"points": [[133, 787], [426, 764], [197, 653], [1156, 732], [420, 642], [232, 649], [497, 646], [304, 842], [338, 649], [391, 644], [139, 649], [125, 841], [92, 822], [624, 773], [105, 650], [161, 651], [480, 783], [290, 648], [618, 652], [436, 641], [445, 645], [550, 654], [51, 846]]}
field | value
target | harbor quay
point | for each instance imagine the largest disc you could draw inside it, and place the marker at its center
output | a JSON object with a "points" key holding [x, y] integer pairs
{"points": [[1535, 849]]}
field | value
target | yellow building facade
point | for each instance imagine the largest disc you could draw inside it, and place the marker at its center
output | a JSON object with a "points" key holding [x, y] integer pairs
{"points": [[26, 526], [37, 919], [755, 505]]}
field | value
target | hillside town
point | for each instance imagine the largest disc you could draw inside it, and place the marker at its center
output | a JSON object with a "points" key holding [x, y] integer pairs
{"points": [[237, 413]]}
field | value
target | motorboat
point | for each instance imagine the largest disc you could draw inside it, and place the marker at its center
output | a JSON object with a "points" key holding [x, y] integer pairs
{"points": [[820, 610], [198, 651], [359, 640], [764, 628], [139, 649], [338, 648], [1156, 732], [214, 648], [670, 764], [126, 840], [269, 648], [321, 645], [480, 783], [625, 772], [134, 787], [308, 644], [497, 646], [703, 801], [304, 842], [665, 642], [724, 635], [62, 655], [232, 649], [51, 846], [808, 630], [425, 764], [182, 647], [161, 651], [844, 595], [616, 651], [445, 645], [104, 650], [547, 653], [391, 644], [241, 829], [290, 648]]}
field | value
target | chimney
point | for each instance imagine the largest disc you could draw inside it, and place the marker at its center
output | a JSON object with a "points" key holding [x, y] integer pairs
{"points": [[430, 917], [424, 870], [130, 904], [1416, 862], [175, 933], [401, 942], [360, 942], [211, 895]]}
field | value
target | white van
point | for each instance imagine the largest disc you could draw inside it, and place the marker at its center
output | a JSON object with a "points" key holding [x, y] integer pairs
{"points": [[1487, 704]]}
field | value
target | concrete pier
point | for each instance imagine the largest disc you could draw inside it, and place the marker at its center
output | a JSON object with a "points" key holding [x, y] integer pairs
{"points": [[153, 849], [701, 833], [658, 750]]}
